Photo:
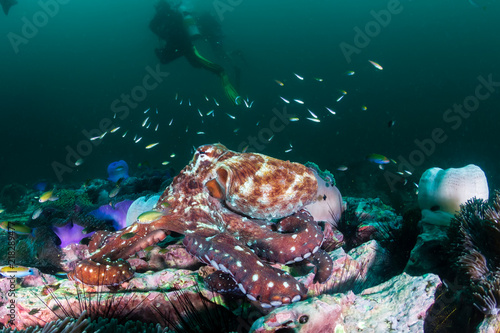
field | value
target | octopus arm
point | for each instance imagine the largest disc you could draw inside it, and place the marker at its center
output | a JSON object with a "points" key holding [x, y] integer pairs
{"points": [[121, 245], [324, 266], [104, 266], [298, 237], [101, 274], [257, 280], [222, 282]]}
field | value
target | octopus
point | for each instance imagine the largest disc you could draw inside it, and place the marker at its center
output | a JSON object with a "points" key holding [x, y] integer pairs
{"points": [[240, 213]]}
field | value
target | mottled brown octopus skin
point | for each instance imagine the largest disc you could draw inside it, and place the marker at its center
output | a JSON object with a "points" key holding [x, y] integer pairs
{"points": [[231, 228]]}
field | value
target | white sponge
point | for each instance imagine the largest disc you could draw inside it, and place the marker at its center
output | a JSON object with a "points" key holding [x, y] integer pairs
{"points": [[443, 191]]}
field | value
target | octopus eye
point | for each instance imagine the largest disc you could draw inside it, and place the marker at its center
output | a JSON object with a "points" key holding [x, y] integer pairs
{"points": [[203, 150], [324, 197], [303, 319]]}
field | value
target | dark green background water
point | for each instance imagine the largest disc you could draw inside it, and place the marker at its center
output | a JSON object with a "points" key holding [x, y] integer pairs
{"points": [[65, 78]]}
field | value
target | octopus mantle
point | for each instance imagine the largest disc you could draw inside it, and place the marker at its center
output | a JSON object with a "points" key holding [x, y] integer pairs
{"points": [[226, 205]]}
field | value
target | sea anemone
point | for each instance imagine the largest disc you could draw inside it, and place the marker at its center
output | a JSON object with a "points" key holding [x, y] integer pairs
{"points": [[474, 237]]}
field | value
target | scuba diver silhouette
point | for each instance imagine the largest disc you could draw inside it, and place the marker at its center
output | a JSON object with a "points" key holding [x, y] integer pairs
{"points": [[6, 4], [178, 28]]}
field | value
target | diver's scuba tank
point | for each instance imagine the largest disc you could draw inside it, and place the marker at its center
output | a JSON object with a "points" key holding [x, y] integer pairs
{"points": [[190, 25]]}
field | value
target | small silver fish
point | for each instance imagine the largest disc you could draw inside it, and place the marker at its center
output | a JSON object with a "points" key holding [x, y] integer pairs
{"points": [[285, 100], [298, 76], [312, 113], [114, 192], [37, 213], [330, 110], [316, 120]]}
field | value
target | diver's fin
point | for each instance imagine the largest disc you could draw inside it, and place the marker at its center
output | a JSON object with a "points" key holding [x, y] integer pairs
{"points": [[6, 4]]}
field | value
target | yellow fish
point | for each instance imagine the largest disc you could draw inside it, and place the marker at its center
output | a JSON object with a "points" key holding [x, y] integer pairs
{"points": [[48, 196], [18, 228], [150, 216], [16, 271]]}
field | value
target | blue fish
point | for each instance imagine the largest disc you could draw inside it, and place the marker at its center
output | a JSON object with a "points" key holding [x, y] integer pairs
{"points": [[378, 159]]}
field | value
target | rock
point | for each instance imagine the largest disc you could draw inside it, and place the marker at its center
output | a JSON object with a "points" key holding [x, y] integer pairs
{"points": [[359, 268], [428, 255], [135, 295], [173, 256], [398, 305]]}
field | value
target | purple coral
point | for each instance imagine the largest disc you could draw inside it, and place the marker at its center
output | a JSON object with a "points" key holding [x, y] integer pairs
{"points": [[70, 233], [117, 213]]}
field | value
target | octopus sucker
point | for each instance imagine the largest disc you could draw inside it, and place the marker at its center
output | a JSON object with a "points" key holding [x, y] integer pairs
{"points": [[222, 202]]}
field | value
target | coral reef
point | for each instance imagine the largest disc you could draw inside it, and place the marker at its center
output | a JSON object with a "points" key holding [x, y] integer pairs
{"points": [[263, 237], [223, 202], [69, 199], [441, 192]]}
